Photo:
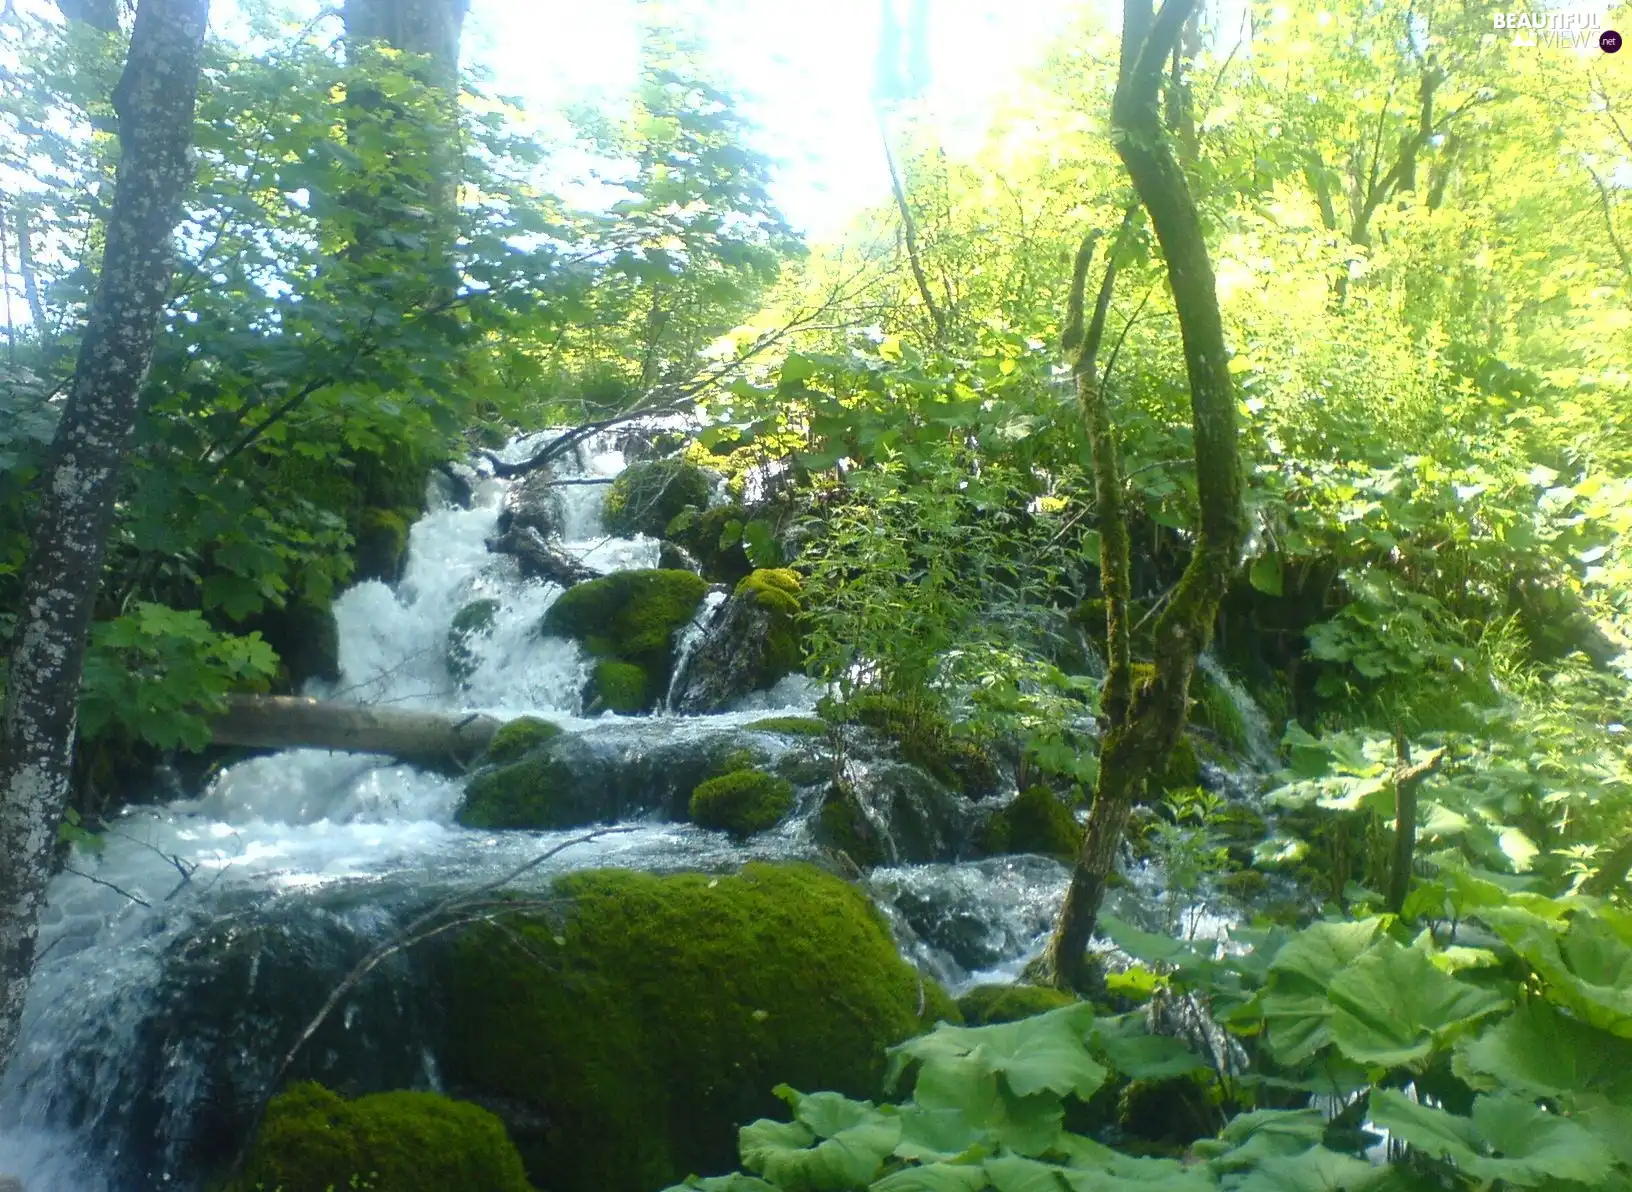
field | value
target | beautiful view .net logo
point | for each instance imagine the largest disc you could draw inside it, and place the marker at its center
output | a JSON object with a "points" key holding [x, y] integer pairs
{"points": [[1558, 30]]}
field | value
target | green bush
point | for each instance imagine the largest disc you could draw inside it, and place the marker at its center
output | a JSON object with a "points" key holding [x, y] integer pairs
{"points": [[670, 1007], [741, 803], [314, 1141], [645, 498]]}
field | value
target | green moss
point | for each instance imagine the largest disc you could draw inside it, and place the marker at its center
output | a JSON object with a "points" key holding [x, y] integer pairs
{"points": [[646, 497], [670, 1008], [628, 615], [926, 739], [714, 538], [620, 686], [741, 803], [382, 542], [1244, 885], [776, 589], [843, 826], [312, 1141], [1035, 822], [986, 1004], [528, 794], [519, 737], [1183, 768], [793, 726], [470, 624], [1171, 1113]]}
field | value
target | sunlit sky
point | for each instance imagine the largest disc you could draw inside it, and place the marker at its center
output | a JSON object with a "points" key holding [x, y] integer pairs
{"points": [[806, 69]]}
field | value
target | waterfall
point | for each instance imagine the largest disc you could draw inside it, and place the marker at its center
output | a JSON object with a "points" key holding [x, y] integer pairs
{"points": [[153, 984]]}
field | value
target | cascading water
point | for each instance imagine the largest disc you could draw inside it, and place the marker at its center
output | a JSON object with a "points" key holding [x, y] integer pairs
{"points": [[117, 1080]]}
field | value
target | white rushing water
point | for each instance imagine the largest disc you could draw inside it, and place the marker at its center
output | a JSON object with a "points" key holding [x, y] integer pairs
{"points": [[284, 825]]}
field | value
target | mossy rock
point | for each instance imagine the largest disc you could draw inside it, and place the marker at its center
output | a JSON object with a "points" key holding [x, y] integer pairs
{"points": [[1170, 1113], [669, 1009], [926, 739], [1182, 770], [714, 538], [628, 615], [791, 726], [1035, 822], [1244, 885], [842, 825], [986, 1004], [470, 624], [529, 794], [646, 497], [314, 1141], [381, 546], [519, 737], [776, 590], [741, 803], [618, 686]]}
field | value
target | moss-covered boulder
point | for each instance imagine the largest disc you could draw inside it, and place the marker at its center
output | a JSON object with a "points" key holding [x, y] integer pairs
{"points": [[926, 738], [986, 1004], [791, 726], [470, 624], [381, 547], [843, 826], [646, 497], [315, 1141], [714, 538], [750, 643], [666, 1010], [741, 803], [1035, 822], [628, 617], [519, 737], [617, 687]]}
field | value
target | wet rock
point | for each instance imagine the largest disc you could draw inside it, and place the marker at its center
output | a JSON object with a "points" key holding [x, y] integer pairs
{"points": [[628, 617], [1035, 821], [642, 444], [751, 642], [540, 559], [977, 915], [600, 776], [471, 624], [742, 802], [381, 547], [714, 537], [674, 557], [533, 503]]}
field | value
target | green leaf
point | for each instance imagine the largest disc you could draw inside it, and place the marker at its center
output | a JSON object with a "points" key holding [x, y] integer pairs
{"points": [[1539, 1051], [1507, 1138], [1315, 1170], [1044, 1053], [1134, 1051], [934, 1177], [1392, 1005], [1265, 574], [783, 1153]]}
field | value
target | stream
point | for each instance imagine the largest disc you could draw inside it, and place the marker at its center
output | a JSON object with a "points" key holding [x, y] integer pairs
{"points": [[171, 956]]}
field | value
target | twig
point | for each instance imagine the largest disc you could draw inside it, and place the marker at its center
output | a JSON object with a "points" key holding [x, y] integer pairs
{"points": [[120, 890]]}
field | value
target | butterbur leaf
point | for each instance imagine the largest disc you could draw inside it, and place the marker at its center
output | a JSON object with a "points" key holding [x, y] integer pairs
{"points": [[934, 1134], [1047, 1052], [1588, 969], [1539, 1051], [1128, 1173], [783, 1153], [1315, 1170], [735, 1182], [1250, 1138], [826, 1113], [1011, 1173], [1322, 950], [1265, 574], [1392, 1004], [1134, 1051], [934, 1177]]}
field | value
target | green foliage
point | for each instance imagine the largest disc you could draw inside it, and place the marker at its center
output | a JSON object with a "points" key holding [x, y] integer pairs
{"points": [[676, 1002], [519, 737], [646, 497], [742, 802], [843, 826], [715, 539], [158, 675], [313, 1141], [926, 737]]}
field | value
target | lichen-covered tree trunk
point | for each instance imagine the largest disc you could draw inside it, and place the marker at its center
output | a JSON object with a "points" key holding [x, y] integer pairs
{"points": [[1143, 724], [154, 101]]}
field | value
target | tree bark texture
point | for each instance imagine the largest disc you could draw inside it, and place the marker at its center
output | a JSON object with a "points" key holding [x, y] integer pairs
{"points": [[1142, 723], [154, 101]]}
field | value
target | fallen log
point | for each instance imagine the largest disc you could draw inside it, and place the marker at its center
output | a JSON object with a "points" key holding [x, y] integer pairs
{"points": [[296, 722]]}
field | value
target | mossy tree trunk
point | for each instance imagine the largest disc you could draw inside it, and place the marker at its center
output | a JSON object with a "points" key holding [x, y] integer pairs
{"points": [[154, 101], [1142, 723]]}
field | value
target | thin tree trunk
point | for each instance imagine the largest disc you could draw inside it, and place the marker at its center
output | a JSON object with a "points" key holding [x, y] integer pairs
{"points": [[909, 231], [154, 101], [1138, 738]]}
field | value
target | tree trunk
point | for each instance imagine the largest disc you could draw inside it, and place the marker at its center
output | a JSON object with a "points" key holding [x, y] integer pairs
{"points": [[154, 101], [294, 722], [1142, 725]]}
